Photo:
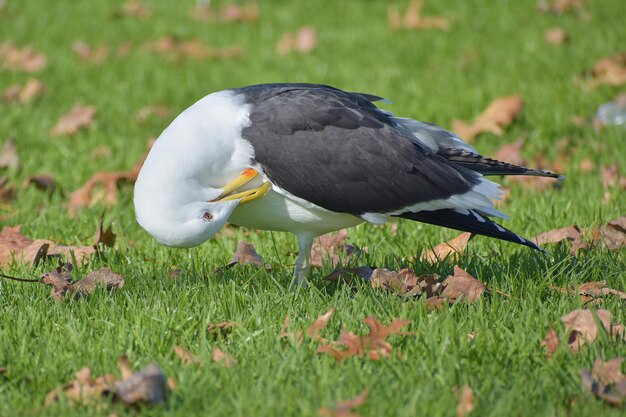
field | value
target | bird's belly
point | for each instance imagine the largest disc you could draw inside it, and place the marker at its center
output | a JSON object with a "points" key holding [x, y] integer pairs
{"points": [[275, 211]]}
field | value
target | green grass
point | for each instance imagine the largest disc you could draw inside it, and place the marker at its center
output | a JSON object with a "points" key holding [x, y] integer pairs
{"points": [[493, 49]]}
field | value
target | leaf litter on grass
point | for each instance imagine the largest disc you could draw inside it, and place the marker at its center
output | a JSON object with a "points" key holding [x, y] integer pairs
{"points": [[79, 117], [405, 283], [606, 381], [413, 18], [22, 94], [498, 115], [303, 41], [345, 408], [148, 386]]}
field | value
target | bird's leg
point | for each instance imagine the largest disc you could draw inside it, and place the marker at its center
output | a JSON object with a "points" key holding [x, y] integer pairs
{"points": [[303, 263]]}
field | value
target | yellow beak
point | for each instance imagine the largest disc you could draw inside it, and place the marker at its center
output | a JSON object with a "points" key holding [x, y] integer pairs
{"points": [[244, 196]]}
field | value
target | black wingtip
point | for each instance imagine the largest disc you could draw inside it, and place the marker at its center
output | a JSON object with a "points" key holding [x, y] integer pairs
{"points": [[473, 222]]}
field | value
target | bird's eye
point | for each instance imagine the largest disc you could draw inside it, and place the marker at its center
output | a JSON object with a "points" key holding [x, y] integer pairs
{"points": [[207, 216]]}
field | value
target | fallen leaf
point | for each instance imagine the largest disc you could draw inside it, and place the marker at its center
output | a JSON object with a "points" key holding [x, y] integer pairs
{"points": [[462, 285], [146, 386], [104, 237], [62, 284], [7, 193], [551, 341], [346, 274], [612, 235], [586, 165], [8, 155], [454, 248], [345, 408], [83, 389], [612, 177], [247, 12], [328, 247], [606, 381], [178, 50], [14, 245], [84, 196], [582, 327], [560, 6], [220, 356], [88, 54], [134, 8], [555, 36], [319, 324], [245, 254], [571, 233], [24, 59], [223, 328], [42, 182], [146, 112], [303, 41], [26, 93], [185, 355], [77, 118], [609, 71], [413, 18], [499, 114], [466, 401], [373, 345], [405, 282], [591, 291]]}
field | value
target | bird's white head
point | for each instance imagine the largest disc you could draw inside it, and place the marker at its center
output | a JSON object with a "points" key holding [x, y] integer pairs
{"points": [[179, 186]]}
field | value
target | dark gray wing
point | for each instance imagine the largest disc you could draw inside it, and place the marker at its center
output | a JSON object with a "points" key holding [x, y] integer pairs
{"points": [[339, 151]]}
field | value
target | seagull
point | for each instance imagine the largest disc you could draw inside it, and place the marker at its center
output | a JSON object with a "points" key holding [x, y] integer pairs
{"points": [[311, 159]]}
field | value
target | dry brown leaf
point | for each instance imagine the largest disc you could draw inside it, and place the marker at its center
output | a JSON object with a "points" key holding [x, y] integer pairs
{"points": [[345, 408], [413, 18], [14, 245], [561, 6], [462, 284], [178, 50], [147, 386], [373, 345], [247, 12], [319, 324], [551, 341], [185, 355], [454, 248], [582, 327], [612, 235], [26, 93], [83, 389], [77, 118], [42, 182], [606, 381], [7, 193], [302, 41], [62, 284], [84, 196], [612, 177], [466, 401], [245, 254], [609, 71], [555, 36], [591, 292], [328, 247], [224, 328], [220, 356], [8, 155], [146, 112], [586, 165], [88, 54], [104, 237], [346, 274], [24, 59], [571, 233], [499, 114], [313, 331], [134, 8]]}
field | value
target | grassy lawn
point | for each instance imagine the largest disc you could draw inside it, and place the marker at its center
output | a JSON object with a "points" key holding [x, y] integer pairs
{"points": [[492, 49]]}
